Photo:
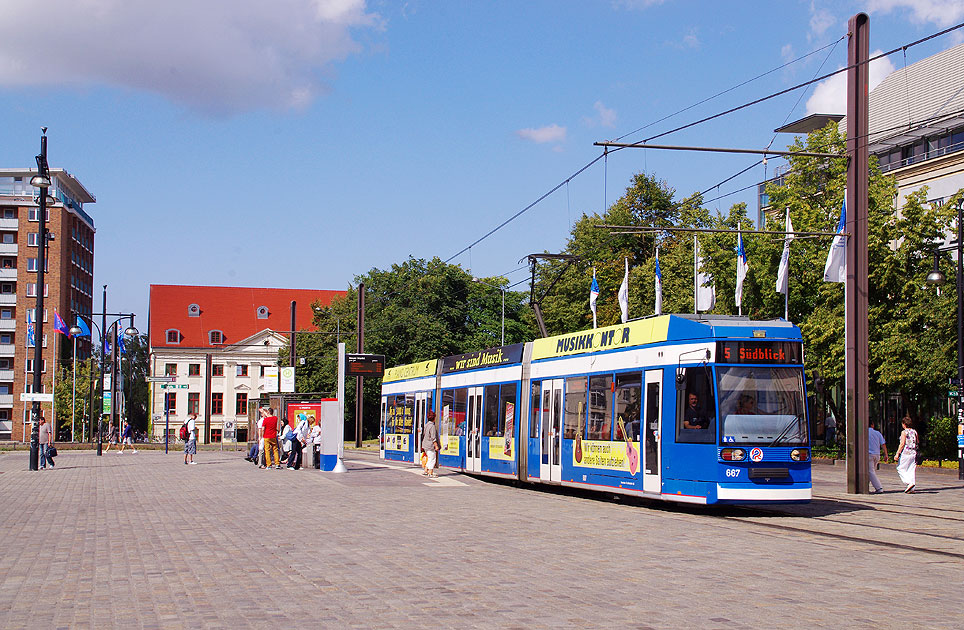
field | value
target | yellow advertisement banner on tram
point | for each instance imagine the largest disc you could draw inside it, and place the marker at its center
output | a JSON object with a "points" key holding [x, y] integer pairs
{"points": [[636, 333], [606, 455]]}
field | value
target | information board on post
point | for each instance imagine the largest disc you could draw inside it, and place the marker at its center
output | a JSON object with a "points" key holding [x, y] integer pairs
{"points": [[372, 365]]}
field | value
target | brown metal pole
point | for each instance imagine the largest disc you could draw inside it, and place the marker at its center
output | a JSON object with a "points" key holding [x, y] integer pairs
{"points": [[360, 381], [858, 402], [291, 344]]}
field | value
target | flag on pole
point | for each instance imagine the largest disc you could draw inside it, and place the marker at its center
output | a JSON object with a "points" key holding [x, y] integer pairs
{"points": [[106, 346], [31, 340], [836, 268], [593, 294], [120, 344], [84, 328], [60, 326], [742, 264], [624, 295], [783, 272], [705, 291], [659, 286]]}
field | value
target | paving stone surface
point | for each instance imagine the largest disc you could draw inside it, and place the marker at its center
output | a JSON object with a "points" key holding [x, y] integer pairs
{"points": [[139, 540]]}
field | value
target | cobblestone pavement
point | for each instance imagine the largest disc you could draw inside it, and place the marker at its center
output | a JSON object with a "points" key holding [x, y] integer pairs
{"points": [[139, 540]]}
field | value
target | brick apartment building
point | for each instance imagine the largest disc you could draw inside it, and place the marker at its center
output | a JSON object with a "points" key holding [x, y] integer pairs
{"points": [[68, 284], [217, 342]]}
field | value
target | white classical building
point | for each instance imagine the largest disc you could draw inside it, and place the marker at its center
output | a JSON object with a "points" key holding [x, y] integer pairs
{"points": [[220, 346]]}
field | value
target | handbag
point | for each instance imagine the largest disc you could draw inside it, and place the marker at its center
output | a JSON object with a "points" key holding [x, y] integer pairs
{"points": [[52, 451], [919, 456]]}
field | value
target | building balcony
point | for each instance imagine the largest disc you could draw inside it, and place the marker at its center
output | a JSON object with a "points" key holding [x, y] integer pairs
{"points": [[7, 273], [8, 350], [8, 325], [8, 299], [8, 249], [6, 400], [9, 225], [6, 376]]}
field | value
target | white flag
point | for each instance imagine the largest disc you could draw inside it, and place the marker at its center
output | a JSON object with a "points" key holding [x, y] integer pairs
{"points": [[783, 272], [742, 264], [836, 268], [593, 294], [624, 295], [659, 286], [705, 291]]}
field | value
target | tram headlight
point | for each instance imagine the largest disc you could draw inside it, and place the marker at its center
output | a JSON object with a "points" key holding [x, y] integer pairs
{"points": [[733, 454], [800, 455]]}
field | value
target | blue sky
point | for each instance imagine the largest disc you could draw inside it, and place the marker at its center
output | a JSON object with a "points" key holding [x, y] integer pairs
{"points": [[297, 143]]}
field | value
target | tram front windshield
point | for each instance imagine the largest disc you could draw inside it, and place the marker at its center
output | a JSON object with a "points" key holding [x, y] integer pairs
{"points": [[762, 406]]}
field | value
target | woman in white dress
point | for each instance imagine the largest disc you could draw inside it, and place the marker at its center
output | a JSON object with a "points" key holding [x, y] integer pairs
{"points": [[906, 456]]}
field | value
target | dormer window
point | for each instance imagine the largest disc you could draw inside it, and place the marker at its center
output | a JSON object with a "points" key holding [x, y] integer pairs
{"points": [[173, 335], [216, 337], [193, 310], [262, 312]]}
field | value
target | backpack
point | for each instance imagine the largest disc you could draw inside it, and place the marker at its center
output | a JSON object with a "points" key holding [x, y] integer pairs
{"points": [[183, 432]]}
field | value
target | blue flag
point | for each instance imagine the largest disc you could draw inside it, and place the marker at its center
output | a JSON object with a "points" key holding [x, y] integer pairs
{"points": [[60, 326], [31, 341], [120, 345], [593, 294], [84, 328], [659, 286]]}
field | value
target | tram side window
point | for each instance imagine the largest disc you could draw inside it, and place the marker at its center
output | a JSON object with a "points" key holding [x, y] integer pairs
{"points": [[534, 414], [628, 404], [457, 411], [575, 408], [507, 410], [600, 407], [695, 407], [490, 413]]}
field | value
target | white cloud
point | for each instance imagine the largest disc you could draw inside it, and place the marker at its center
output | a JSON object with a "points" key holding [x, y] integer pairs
{"points": [[690, 40], [542, 135], [633, 5], [820, 21], [605, 117], [940, 12], [786, 53], [830, 96], [216, 56]]}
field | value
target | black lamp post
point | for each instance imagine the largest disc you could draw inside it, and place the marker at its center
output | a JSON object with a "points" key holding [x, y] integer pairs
{"points": [[935, 277], [102, 333], [42, 181]]}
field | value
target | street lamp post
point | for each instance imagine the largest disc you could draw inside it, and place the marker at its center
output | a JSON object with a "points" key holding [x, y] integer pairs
{"points": [[102, 332], [935, 277], [41, 181], [492, 286]]}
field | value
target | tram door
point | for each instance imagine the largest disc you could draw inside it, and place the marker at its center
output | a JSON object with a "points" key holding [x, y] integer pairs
{"points": [[473, 431], [383, 428], [420, 409], [550, 441], [652, 432]]}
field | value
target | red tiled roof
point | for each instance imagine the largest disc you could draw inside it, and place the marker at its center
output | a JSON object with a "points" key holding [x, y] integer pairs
{"points": [[232, 310]]}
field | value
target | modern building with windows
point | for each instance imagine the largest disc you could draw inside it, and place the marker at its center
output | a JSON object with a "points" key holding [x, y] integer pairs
{"points": [[916, 125], [68, 284], [217, 343]]}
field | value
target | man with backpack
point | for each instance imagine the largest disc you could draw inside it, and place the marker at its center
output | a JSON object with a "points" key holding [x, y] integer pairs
{"points": [[188, 433]]}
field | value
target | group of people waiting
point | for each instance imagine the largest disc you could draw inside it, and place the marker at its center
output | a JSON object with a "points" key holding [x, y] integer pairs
{"points": [[277, 437]]}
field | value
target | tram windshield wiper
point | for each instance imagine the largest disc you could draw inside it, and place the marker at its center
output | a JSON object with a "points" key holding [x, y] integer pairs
{"points": [[793, 420]]}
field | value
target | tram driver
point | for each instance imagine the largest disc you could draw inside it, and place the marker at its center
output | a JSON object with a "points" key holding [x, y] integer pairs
{"points": [[694, 417]]}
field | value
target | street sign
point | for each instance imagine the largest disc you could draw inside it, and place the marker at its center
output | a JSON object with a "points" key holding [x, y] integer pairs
{"points": [[32, 397], [173, 386], [161, 379], [953, 393]]}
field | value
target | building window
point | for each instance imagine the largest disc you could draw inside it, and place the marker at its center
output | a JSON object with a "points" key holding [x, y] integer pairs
{"points": [[6, 313], [32, 315], [217, 369], [9, 213], [193, 310], [242, 369], [9, 238], [241, 404], [262, 312], [32, 289], [6, 339], [170, 369], [7, 287], [215, 435], [194, 369], [6, 364], [217, 403], [193, 402], [170, 400], [32, 239], [216, 337], [173, 336], [43, 365], [33, 214], [8, 263]]}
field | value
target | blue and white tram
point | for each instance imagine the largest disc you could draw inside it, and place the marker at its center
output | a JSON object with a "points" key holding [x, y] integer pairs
{"points": [[708, 409]]}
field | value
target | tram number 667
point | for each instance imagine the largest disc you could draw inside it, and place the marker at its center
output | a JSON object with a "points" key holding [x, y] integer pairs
{"points": [[732, 472]]}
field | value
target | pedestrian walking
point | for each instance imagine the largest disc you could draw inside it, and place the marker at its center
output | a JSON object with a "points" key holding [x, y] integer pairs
{"points": [[111, 435], [127, 438], [875, 439], [906, 455], [830, 430], [269, 432], [190, 446], [430, 444], [46, 441]]}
